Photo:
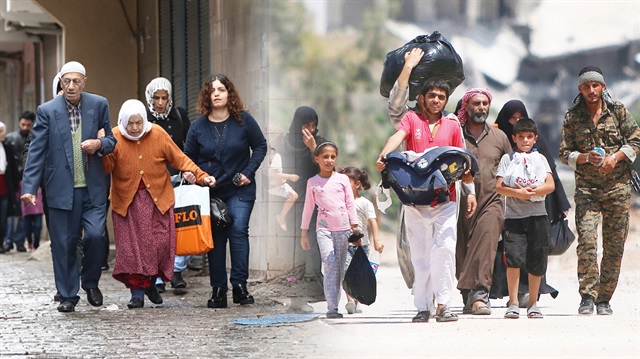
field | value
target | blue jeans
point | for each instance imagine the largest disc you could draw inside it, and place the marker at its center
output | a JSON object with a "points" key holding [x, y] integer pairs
{"points": [[238, 237], [15, 230]]}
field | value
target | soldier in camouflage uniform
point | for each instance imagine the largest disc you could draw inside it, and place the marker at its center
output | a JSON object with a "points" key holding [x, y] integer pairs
{"points": [[602, 184]]}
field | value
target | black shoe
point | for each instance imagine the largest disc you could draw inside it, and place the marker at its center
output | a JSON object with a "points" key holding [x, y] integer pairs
{"points": [[333, 314], [7, 247], [135, 303], [66, 307], [1, 249], [153, 295], [20, 248], [604, 308], [218, 298], [178, 284], [57, 297], [161, 288], [94, 296], [586, 305], [422, 317], [241, 295]]}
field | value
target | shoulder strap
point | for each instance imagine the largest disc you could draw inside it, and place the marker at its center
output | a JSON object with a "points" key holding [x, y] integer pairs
{"points": [[615, 120], [179, 114]]}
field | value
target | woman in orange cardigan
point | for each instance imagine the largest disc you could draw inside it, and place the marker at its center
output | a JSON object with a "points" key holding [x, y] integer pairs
{"points": [[142, 201]]}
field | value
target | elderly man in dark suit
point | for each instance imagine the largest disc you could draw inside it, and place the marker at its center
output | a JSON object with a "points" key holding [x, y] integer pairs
{"points": [[65, 145]]}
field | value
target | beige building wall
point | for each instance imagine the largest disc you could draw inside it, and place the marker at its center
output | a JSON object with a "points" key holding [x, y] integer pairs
{"points": [[102, 36], [240, 50]]}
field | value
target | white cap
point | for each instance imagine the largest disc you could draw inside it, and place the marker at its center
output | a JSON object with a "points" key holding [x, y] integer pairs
{"points": [[72, 66]]}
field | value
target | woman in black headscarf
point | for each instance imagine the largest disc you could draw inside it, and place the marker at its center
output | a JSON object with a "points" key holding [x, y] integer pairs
{"points": [[556, 202], [300, 143]]}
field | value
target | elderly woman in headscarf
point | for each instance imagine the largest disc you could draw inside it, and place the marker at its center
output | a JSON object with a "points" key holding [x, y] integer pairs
{"points": [[142, 200], [556, 202]]}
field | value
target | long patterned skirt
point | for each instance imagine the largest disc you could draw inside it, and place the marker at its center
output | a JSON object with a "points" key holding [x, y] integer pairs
{"points": [[145, 243]]}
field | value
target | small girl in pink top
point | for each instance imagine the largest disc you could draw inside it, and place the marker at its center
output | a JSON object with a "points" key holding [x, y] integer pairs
{"points": [[337, 219], [33, 220]]}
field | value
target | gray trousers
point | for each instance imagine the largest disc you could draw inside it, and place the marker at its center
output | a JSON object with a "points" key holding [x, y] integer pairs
{"points": [[333, 252]]}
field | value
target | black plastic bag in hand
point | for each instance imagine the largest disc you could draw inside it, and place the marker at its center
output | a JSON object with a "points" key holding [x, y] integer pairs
{"points": [[359, 280], [440, 61], [560, 237], [354, 237]]}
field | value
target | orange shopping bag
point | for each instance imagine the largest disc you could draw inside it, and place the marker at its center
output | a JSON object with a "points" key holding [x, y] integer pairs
{"points": [[193, 220]]}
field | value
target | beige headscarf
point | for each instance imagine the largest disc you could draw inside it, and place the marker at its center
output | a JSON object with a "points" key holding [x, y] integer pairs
{"points": [[128, 109]]}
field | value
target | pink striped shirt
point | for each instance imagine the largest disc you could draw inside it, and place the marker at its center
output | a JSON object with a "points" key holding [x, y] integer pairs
{"points": [[334, 198]]}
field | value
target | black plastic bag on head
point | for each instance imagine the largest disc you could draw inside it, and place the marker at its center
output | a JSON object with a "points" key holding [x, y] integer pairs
{"points": [[440, 61], [359, 280]]}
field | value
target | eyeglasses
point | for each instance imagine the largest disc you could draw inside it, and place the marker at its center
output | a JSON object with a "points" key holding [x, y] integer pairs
{"points": [[76, 81]]}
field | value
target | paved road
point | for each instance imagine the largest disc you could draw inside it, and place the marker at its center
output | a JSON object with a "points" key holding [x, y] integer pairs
{"points": [[183, 327]]}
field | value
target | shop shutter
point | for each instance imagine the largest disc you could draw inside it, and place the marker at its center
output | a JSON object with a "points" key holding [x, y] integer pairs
{"points": [[184, 49]]}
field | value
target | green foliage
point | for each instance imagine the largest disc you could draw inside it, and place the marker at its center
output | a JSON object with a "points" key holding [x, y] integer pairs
{"points": [[338, 75]]}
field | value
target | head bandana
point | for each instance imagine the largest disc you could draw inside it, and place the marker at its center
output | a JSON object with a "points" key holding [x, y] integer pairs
{"points": [[72, 66], [592, 74], [159, 83], [462, 112], [128, 109]]}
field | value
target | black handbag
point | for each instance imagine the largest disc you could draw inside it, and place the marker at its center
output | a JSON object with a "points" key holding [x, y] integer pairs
{"points": [[220, 217], [560, 236]]}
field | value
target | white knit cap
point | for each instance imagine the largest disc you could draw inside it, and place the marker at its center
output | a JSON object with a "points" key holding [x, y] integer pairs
{"points": [[72, 66]]}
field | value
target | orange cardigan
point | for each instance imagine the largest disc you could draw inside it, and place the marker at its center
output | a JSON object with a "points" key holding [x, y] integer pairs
{"points": [[145, 159]]}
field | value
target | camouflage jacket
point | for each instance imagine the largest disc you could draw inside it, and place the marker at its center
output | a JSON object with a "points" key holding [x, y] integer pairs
{"points": [[579, 134]]}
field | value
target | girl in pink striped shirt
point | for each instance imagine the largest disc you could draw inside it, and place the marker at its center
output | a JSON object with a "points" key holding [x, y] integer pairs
{"points": [[337, 219]]}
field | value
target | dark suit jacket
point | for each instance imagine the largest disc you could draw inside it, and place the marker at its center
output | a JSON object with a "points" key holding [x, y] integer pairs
{"points": [[51, 150]]}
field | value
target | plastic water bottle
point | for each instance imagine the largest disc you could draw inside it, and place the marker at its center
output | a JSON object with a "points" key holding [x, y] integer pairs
{"points": [[600, 150], [374, 260]]}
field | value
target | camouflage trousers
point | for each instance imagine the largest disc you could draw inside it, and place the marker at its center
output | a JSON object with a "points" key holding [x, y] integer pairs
{"points": [[613, 204]]}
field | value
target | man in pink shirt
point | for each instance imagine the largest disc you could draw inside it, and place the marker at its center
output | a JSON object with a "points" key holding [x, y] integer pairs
{"points": [[431, 230]]}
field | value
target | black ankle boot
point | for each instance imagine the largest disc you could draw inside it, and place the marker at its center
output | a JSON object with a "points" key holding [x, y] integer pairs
{"points": [[241, 295], [153, 294], [218, 298]]}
